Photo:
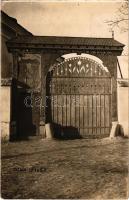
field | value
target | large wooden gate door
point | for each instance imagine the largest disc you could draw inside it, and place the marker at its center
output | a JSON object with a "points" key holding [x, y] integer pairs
{"points": [[80, 97]]}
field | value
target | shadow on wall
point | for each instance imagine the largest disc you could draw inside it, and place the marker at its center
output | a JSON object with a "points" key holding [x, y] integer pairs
{"points": [[63, 132], [25, 126]]}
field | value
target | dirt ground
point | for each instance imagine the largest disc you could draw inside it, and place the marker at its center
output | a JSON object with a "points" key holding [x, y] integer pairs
{"points": [[75, 169]]}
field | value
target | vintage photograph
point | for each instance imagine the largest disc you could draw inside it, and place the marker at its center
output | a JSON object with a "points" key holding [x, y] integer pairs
{"points": [[64, 99]]}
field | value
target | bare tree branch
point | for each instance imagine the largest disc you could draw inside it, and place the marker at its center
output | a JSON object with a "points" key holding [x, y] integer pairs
{"points": [[121, 20]]}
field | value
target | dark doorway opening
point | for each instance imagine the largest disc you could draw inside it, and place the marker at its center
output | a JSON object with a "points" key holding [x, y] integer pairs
{"points": [[25, 125]]}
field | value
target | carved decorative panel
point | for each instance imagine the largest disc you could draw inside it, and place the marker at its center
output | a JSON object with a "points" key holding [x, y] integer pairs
{"points": [[30, 70], [80, 67], [80, 86]]}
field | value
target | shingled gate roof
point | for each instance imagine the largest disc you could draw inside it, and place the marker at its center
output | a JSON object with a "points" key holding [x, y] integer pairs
{"points": [[63, 40]]}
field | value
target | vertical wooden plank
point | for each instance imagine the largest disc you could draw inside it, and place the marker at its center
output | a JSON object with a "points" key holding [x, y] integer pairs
{"points": [[105, 85], [62, 110], [56, 100], [64, 114], [52, 107], [78, 103], [81, 115], [107, 120], [90, 114], [51, 99], [102, 114], [98, 115], [73, 114], [110, 104], [68, 110], [77, 107], [59, 108], [94, 114], [55, 108], [65, 107], [85, 121], [96, 92], [87, 112], [74, 105]]}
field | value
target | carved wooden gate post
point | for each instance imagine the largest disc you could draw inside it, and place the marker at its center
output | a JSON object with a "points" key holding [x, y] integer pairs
{"points": [[48, 58]]}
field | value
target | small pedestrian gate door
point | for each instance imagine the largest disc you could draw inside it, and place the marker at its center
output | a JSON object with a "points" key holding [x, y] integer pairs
{"points": [[79, 96]]}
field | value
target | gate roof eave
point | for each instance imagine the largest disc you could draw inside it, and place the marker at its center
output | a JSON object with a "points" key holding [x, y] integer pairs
{"points": [[67, 43]]}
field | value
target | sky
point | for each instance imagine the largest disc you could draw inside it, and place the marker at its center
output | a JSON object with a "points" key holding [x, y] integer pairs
{"points": [[82, 19]]}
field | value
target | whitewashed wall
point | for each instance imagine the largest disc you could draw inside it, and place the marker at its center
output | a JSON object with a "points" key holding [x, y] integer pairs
{"points": [[123, 108], [5, 111]]}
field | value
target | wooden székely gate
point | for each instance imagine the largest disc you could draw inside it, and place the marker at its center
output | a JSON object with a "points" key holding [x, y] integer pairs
{"points": [[79, 97]]}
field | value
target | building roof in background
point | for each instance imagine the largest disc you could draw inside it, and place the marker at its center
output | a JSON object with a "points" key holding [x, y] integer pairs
{"points": [[13, 24], [65, 40]]}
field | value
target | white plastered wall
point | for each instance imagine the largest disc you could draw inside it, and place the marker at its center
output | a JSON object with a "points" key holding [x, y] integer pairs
{"points": [[123, 108], [5, 111]]}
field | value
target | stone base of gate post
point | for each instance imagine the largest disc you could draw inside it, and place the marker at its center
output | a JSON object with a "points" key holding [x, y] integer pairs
{"points": [[49, 131], [115, 129], [42, 132]]}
